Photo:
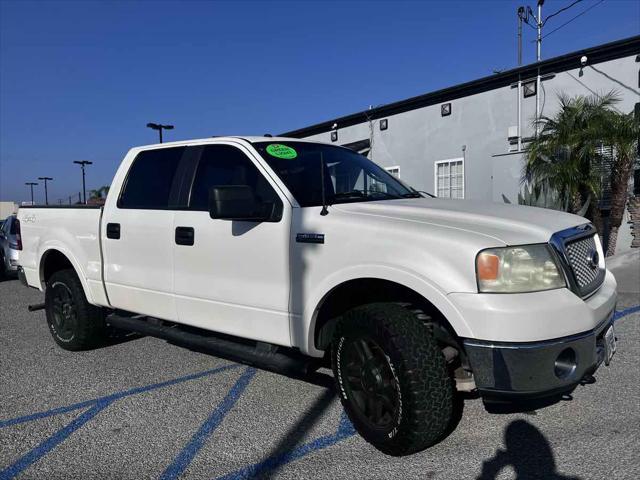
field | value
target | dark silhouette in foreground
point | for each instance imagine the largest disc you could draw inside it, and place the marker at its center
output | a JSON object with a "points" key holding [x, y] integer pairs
{"points": [[527, 451]]}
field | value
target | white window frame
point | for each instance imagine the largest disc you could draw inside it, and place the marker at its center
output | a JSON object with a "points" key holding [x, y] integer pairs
{"points": [[395, 167], [435, 175]]}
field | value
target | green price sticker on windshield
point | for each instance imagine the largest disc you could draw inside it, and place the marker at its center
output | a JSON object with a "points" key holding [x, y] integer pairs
{"points": [[281, 151]]}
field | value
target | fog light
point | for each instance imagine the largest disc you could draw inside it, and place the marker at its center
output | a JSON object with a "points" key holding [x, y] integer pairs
{"points": [[565, 363]]}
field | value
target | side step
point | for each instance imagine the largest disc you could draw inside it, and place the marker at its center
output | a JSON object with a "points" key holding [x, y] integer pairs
{"points": [[261, 355]]}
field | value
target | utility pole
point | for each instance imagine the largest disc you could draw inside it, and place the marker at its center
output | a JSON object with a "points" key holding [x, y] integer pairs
{"points": [[522, 12], [82, 164], [538, 57], [46, 194], [31, 184], [159, 127]]}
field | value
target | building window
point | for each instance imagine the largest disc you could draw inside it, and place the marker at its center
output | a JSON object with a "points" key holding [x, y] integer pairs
{"points": [[445, 109], [334, 136], [384, 124], [395, 171], [449, 178]]}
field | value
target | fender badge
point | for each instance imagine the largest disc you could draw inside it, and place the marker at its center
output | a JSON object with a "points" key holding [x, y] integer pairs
{"points": [[310, 238]]}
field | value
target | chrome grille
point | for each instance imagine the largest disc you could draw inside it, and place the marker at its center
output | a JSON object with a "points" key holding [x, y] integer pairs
{"points": [[579, 254]]}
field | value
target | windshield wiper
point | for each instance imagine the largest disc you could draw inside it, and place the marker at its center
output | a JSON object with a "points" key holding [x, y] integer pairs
{"points": [[417, 194], [359, 194]]}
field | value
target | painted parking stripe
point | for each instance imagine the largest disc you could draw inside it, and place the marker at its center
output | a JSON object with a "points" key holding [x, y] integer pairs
{"points": [[261, 469], [96, 406], [186, 456], [627, 311], [115, 396], [50, 443]]}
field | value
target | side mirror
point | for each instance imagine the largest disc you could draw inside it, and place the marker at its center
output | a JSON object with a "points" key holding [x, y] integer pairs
{"points": [[237, 202]]}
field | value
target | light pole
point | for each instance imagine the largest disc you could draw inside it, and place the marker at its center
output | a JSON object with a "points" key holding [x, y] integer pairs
{"points": [[31, 184], [46, 194], [82, 164], [159, 127]]}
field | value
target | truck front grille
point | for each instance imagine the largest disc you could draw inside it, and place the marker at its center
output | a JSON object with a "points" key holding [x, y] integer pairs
{"points": [[579, 254]]}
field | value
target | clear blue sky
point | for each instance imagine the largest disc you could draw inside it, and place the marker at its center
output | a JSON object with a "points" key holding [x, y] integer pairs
{"points": [[80, 80]]}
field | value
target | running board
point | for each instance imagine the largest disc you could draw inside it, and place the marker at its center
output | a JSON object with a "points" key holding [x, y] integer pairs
{"points": [[265, 356]]}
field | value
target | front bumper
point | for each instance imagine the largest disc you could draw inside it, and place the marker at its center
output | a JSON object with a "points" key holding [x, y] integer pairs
{"points": [[536, 369]]}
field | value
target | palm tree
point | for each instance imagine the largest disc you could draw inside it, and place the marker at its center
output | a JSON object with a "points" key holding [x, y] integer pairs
{"points": [[98, 195], [99, 192], [562, 156], [622, 132], [567, 157]]}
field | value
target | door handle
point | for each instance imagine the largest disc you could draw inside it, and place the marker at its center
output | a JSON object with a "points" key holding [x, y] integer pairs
{"points": [[185, 235], [113, 231]]}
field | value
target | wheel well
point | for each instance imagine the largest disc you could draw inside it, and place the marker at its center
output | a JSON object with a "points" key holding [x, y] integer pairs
{"points": [[53, 262], [353, 293]]}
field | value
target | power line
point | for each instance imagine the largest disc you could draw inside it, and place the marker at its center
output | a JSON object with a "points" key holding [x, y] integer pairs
{"points": [[560, 11], [572, 19]]}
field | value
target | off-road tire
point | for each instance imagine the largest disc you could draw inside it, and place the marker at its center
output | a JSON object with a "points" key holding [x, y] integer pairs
{"points": [[84, 327], [423, 383]]}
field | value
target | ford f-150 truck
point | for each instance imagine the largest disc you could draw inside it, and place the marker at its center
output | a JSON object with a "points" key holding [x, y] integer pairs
{"points": [[292, 254]]}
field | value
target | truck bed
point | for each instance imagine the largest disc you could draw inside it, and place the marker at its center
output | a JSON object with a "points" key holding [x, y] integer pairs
{"points": [[74, 230]]}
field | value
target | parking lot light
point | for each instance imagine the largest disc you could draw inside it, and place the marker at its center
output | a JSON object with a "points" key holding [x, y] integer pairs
{"points": [[31, 184]]}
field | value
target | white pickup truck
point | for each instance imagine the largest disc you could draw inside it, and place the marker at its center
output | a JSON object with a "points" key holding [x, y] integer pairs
{"points": [[291, 254]]}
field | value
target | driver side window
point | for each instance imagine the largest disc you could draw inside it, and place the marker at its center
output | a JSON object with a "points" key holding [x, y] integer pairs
{"points": [[224, 165]]}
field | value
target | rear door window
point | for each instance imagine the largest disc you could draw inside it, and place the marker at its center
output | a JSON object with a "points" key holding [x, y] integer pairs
{"points": [[150, 179]]}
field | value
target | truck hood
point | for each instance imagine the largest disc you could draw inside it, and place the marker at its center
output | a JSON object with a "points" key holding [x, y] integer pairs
{"points": [[507, 224]]}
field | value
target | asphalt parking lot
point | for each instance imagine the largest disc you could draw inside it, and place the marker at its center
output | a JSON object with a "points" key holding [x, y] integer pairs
{"points": [[148, 409]]}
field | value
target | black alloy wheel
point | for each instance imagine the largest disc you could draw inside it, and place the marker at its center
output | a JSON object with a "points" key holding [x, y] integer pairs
{"points": [[370, 380], [65, 317]]}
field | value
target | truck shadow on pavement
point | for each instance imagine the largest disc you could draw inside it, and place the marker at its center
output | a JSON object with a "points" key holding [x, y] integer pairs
{"points": [[527, 451]]}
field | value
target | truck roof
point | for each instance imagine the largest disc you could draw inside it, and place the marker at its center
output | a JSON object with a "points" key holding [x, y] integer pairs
{"points": [[248, 138]]}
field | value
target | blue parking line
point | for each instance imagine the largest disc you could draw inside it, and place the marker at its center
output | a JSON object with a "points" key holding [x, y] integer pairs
{"points": [[627, 311], [186, 456], [115, 396], [53, 441], [258, 470], [97, 405]]}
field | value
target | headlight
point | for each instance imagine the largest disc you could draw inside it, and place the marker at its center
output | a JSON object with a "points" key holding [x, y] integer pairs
{"points": [[529, 268]]}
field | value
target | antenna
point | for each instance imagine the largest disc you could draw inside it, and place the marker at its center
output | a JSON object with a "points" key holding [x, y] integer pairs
{"points": [[324, 210]]}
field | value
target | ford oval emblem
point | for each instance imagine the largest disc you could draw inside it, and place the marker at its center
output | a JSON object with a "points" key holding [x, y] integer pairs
{"points": [[593, 257]]}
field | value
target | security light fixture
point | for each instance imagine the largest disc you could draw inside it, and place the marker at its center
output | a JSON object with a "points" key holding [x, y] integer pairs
{"points": [[46, 193], [83, 163], [384, 124], [445, 109], [529, 89], [159, 127], [31, 184]]}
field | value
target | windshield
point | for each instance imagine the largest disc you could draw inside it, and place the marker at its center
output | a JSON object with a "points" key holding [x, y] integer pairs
{"points": [[348, 176]]}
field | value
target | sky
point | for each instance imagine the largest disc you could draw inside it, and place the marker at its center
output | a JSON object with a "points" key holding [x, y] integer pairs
{"points": [[80, 80]]}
